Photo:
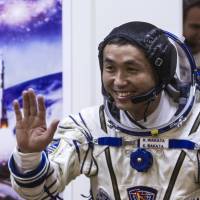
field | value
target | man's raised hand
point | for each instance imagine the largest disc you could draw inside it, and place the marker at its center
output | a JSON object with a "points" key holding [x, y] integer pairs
{"points": [[31, 130]]}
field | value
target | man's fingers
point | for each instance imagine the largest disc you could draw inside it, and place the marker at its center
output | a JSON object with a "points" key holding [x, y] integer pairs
{"points": [[16, 108], [41, 107], [33, 102], [26, 104]]}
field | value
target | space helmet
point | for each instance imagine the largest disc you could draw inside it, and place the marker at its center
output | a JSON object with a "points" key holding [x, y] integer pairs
{"points": [[158, 49], [166, 53]]}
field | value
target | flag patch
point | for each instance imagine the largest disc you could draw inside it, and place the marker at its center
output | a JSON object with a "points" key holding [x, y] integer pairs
{"points": [[142, 193]]}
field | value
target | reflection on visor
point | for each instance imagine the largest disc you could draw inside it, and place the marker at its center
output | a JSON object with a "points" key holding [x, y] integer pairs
{"points": [[186, 69], [183, 68]]}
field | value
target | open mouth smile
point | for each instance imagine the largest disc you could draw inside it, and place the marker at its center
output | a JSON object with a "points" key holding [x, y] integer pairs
{"points": [[123, 95]]}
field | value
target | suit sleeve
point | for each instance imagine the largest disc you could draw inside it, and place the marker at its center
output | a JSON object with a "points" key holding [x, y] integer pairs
{"points": [[68, 156]]}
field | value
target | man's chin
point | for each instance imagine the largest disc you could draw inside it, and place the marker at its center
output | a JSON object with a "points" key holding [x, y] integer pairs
{"points": [[123, 106]]}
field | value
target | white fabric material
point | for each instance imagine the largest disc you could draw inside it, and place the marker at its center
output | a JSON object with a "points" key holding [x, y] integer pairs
{"points": [[26, 162], [73, 156], [163, 113]]}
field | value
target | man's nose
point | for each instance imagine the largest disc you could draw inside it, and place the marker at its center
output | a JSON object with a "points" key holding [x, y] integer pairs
{"points": [[120, 79]]}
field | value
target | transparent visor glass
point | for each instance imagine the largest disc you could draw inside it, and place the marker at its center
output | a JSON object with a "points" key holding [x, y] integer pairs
{"points": [[184, 66]]}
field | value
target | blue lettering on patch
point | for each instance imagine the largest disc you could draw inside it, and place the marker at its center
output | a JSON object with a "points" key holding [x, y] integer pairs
{"points": [[53, 146], [142, 193]]}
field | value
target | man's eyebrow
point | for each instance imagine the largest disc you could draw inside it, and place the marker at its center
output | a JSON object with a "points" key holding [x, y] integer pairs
{"points": [[127, 62], [130, 62], [133, 63], [108, 60]]}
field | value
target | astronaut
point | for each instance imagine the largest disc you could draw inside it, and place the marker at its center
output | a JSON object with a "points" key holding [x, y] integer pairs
{"points": [[142, 143]]}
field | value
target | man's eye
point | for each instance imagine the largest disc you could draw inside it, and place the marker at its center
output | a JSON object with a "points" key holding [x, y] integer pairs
{"points": [[109, 68]]}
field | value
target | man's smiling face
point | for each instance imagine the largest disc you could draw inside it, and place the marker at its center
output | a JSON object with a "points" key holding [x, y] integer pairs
{"points": [[126, 73]]}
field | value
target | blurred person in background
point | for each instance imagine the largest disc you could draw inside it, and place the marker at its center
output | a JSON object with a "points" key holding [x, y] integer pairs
{"points": [[191, 27]]}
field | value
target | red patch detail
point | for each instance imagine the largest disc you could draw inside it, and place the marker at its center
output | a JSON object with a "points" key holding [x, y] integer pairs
{"points": [[142, 193]]}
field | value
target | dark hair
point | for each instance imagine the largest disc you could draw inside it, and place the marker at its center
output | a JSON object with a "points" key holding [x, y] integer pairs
{"points": [[120, 41], [188, 4]]}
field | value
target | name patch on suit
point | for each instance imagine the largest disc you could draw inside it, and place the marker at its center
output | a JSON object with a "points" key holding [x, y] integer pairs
{"points": [[142, 193], [156, 143]]}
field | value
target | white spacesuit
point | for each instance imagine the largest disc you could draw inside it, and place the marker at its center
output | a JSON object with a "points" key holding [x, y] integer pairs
{"points": [[153, 159]]}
